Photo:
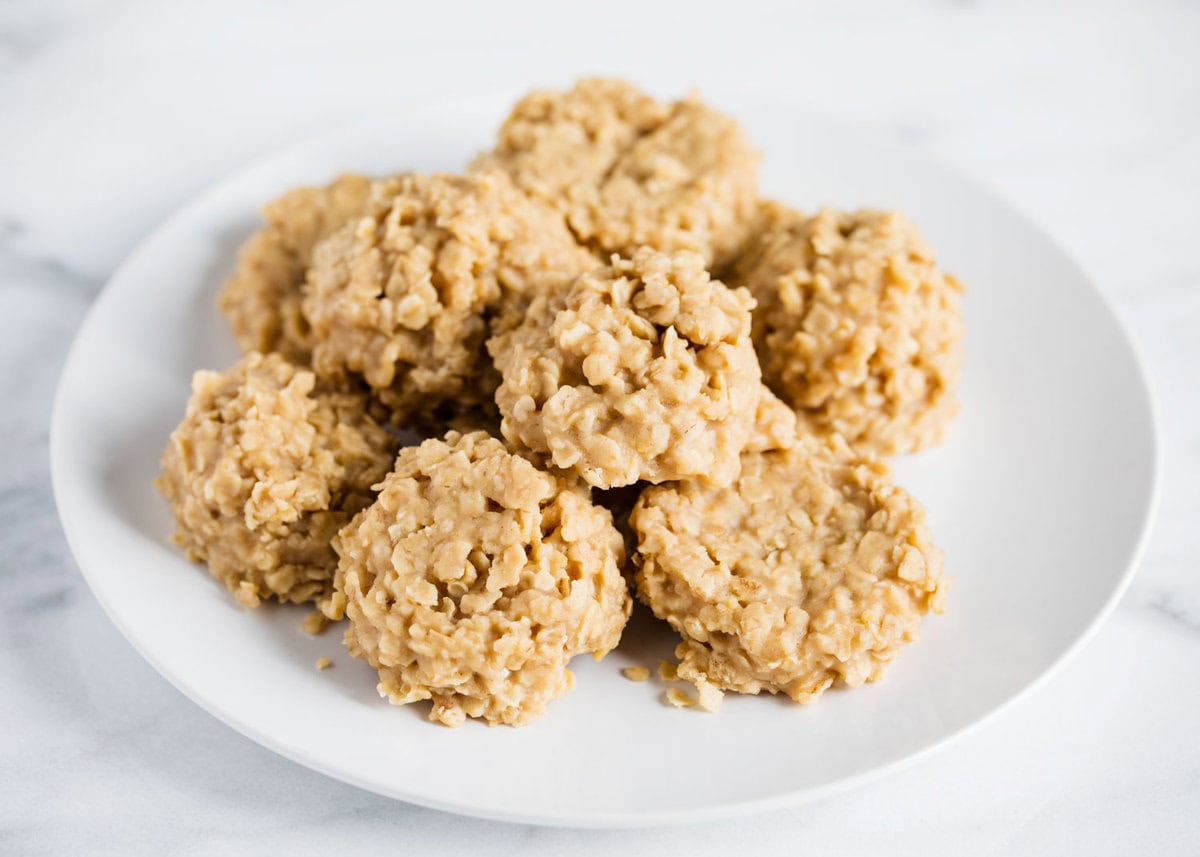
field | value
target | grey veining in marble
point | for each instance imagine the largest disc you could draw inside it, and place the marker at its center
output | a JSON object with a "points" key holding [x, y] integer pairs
{"points": [[112, 114]]}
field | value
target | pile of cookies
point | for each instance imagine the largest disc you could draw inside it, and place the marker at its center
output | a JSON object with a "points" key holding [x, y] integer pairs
{"points": [[629, 371]]}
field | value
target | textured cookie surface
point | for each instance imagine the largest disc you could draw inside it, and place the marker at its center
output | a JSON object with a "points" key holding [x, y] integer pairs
{"points": [[262, 472], [811, 568], [642, 370], [261, 300], [627, 171], [856, 326], [404, 295], [474, 578]]}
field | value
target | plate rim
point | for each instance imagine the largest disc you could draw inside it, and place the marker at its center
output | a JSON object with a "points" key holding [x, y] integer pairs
{"points": [[1131, 563]]}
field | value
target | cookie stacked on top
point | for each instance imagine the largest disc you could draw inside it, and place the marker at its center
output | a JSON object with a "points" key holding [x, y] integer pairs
{"points": [[602, 301]]}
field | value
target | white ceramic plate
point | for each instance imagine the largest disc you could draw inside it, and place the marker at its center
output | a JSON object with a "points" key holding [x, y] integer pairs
{"points": [[1041, 498]]}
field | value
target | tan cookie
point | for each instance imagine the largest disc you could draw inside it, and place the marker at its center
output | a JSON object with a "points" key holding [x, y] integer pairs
{"points": [[404, 295], [553, 144], [811, 568], [627, 171], [856, 327], [261, 300], [642, 370], [475, 578], [263, 471]]}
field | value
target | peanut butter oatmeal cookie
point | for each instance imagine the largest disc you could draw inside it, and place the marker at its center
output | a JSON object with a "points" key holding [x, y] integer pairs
{"points": [[403, 296], [555, 144], [261, 300], [641, 370], [474, 578], [264, 470], [856, 327], [811, 568], [628, 171]]}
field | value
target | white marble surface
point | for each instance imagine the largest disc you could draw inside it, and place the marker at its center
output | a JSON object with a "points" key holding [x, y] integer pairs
{"points": [[114, 113]]}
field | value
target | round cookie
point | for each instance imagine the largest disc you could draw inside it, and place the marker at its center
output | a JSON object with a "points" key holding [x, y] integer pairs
{"points": [[627, 171], [555, 144], [474, 578], [811, 568], [263, 471], [261, 300], [403, 295], [856, 327], [641, 370]]}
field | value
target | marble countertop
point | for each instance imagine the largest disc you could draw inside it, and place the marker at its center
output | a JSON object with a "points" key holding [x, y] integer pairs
{"points": [[115, 112]]}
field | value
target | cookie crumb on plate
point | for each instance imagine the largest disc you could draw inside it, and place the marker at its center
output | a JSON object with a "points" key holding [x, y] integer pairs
{"points": [[708, 696], [315, 622], [636, 673], [677, 698]]}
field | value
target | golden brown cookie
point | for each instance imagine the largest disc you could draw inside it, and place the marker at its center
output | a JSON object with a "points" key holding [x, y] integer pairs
{"points": [[474, 578], [627, 171], [264, 470], [856, 326], [261, 300], [641, 370], [811, 568], [403, 296]]}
